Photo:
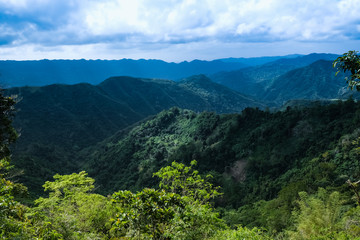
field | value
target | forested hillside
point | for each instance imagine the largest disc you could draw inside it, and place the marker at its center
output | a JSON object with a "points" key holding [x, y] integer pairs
{"points": [[251, 153], [55, 122], [180, 173], [275, 171], [256, 80], [316, 81]]}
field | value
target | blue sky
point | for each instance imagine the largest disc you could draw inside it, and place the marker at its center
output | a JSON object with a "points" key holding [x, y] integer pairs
{"points": [[175, 30]]}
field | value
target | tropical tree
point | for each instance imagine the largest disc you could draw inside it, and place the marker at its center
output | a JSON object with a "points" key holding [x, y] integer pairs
{"points": [[146, 214], [350, 62], [7, 132], [13, 223], [180, 209], [319, 216], [71, 211]]}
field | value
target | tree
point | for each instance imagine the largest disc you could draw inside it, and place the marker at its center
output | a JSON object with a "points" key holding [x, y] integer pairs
{"points": [[197, 220], [13, 223], [181, 209], [350, 61], [241, 233], [71, 211], [186, 181], [319, 216], [146, 214], [7, 132]]}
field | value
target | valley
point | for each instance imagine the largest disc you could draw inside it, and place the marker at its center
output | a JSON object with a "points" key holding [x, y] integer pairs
{"points": [[263, 132]]}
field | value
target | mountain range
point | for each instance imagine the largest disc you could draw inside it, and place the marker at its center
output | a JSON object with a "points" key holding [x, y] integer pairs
{"points": [[256, 80], [274, 137], [315, 81], [114, 104], [46, 72], [58, 121], [67, 118]]}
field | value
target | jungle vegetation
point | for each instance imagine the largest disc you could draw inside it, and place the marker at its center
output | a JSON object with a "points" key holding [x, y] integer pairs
{"points": [[291, 174]]}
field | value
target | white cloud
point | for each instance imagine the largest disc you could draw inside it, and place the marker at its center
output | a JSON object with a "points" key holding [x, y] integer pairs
{"points": [[158, 24], [188, 19]]}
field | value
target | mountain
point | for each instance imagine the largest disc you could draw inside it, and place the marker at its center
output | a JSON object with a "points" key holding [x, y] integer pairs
{"points": [[219, 96], [70, 112], [255, 81], [240, 81], [46, 72], [252, 155], [258, 60], [267, 73], [316, 81], [57, 121], [95, 111]]}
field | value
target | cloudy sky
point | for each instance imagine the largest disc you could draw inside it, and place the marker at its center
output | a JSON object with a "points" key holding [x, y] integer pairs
{"points": [[175, 30]]}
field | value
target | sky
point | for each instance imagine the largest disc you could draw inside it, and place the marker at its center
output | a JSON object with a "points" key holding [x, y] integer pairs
{"points": [[175, 30]]}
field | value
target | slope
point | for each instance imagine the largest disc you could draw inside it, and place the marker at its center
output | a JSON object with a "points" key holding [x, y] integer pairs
{"points": [[255, 81], [220, 97], [316, 81], [252, 154], [57, 121]]}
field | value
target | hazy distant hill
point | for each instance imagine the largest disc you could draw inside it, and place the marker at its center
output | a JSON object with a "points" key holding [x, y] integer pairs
{"points": [[240, 81], [45, 72], [218, 96], [258, 60], [256, 80], [56, 121], [316, 81]]}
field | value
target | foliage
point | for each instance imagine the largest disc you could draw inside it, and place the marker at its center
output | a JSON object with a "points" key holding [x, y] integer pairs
{"points": [[71, 210], [350, 61], [319, 216], [179, 210], [7, 133], [262, 160], [148, 213], [198, 219], [316, 81], [58, 121], [279, 153], [185, 181], [13, 222], [241, 233], [251, 155]]}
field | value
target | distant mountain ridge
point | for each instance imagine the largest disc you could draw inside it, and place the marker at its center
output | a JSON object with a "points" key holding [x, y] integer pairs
{"points": [[316, 81], [310, 77], [254, 61], [46, 72], [255, 80]]}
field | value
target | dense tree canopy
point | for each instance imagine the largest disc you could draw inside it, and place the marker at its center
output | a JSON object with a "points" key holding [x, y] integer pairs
{"points": [[284, 172], [12, 218], [7, 132]]}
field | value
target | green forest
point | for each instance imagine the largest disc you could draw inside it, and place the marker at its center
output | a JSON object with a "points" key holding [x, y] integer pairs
{"points": [[293, 173]]}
